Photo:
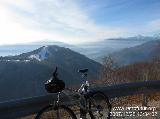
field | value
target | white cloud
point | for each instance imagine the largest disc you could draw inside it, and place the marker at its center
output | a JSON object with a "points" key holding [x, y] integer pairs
{"points": [[63, 20], [147, 28], [154, 24]]}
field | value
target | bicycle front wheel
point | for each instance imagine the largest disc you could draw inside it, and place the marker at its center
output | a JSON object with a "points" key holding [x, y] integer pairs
{"points": [[100, 106], [60, 112]]}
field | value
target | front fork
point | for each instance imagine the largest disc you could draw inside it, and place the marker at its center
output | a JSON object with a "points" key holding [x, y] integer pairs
{"points": [[85, 107]]}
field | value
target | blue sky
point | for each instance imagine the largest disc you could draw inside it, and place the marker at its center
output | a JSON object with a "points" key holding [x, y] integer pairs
{"points": [[76, 21], [122, 13]]}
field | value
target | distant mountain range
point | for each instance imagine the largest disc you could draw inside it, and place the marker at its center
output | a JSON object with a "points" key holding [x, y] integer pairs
{"points": [[24, 75], [95, 50], [17, 49], [141, 53], [98, 50]]}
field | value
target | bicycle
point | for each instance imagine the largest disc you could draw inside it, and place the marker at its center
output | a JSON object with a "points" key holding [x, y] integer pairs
{"points": [[93, 104], [55, 110]]}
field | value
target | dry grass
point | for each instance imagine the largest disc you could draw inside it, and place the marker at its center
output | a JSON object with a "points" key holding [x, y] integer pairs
{"points": [[134, 100]]}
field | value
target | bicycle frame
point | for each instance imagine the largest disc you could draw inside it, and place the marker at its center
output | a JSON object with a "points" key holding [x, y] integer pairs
{"points": [[85, 85], [84, 90], [56, 103]]}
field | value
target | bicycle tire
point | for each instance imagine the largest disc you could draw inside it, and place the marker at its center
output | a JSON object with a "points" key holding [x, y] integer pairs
{"points": [[52, 111], [96, 109]]}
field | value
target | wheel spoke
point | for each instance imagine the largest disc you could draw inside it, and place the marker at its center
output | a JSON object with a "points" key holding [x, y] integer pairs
{"points": [[59, 113], [100, 106]]}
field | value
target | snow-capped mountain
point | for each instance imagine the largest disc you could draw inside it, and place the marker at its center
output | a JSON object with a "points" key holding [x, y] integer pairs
{"points": [[26, 74], [42, 55]]}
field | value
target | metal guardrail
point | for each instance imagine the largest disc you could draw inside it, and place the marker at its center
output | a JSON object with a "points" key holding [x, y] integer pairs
{"points": [[24, 107], [143, 87]]}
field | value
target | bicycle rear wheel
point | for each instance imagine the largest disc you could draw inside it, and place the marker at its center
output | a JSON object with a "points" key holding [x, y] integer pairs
{"points": [[100, 106], [60, 112]]}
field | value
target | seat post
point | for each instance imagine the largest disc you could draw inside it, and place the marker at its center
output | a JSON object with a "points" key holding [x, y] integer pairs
{"points": [[84, 76]]}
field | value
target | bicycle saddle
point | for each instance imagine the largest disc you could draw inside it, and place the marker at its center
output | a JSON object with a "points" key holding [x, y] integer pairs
{"points": [[83, 70]]}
